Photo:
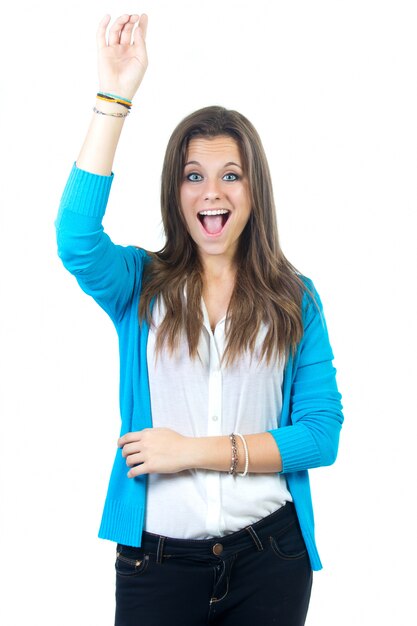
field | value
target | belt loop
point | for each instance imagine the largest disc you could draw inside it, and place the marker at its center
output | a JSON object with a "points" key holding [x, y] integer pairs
{"points": [[255, 537], [160, 549]]}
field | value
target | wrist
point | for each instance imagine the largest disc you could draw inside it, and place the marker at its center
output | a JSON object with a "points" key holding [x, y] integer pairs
{"points": [[121, 92], [111, 110], [193, 452], [210, 453]]}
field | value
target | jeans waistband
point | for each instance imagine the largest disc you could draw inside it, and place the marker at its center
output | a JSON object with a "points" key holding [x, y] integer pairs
{"points": [[251, 536]]}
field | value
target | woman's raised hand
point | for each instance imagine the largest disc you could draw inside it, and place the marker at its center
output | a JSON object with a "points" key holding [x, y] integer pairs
{"points": [[122, 60]]}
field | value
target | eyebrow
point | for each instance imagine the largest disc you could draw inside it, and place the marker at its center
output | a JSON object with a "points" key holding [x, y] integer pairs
{"points": [[225, 165]]}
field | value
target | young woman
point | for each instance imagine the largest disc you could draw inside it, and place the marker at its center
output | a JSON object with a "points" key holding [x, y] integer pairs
{"points": [[227, 388]]}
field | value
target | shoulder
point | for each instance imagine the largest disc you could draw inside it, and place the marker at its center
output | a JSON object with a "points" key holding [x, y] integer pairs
{"points": [[315, 341], [142, 253], [310, 295]]}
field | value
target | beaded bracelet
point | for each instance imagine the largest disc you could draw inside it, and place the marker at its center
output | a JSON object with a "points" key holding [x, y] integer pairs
{"points": [[235, 456]]}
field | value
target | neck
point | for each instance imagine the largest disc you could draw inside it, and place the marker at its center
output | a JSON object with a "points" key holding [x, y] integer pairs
{"points": [[218, 268]]}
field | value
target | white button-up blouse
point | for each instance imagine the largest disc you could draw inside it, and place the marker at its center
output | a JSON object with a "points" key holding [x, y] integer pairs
{"points": [[200, 398]]}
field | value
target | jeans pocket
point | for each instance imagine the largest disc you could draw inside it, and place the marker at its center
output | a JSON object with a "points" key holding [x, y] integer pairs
{"points": [[130, 561], [289, 542]]}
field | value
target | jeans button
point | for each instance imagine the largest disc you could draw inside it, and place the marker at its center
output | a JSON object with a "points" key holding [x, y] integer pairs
{"points": [[217, 549]]}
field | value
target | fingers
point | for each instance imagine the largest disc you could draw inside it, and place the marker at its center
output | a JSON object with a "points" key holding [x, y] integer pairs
{"points": [[129, 438], [121, 30], [101, 31], [129, 449], [116, 29], [141, 29], [126, 34], [134, 459], [139, 470]]}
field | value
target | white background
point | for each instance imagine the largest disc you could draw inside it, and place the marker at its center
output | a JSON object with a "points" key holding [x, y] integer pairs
{"points": [[331, 88]]}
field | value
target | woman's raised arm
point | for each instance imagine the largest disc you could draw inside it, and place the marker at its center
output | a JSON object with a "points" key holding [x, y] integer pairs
{"points": [[107, 272], [122, 63]]}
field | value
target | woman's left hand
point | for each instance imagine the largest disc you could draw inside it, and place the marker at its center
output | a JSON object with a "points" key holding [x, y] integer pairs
{"points": [[155, 450]]}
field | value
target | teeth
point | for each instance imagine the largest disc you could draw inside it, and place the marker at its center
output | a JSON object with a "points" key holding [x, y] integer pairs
{"points": [[215, 212]]}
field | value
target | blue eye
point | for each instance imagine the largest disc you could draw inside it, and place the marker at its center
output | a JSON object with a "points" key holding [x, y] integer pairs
{"points": [[230, 177], [194, 177]]}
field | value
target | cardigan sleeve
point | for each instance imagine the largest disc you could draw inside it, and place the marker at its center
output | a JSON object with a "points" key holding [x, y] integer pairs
{"points": [[108, 272], [311, 436]]}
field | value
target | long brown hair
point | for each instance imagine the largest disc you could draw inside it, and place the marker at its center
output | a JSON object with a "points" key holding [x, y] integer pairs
{"points": [[267, 288]]}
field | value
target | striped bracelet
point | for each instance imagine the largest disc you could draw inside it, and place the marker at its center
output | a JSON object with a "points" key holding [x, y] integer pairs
{"points": [[109, 97], [112, 95]]}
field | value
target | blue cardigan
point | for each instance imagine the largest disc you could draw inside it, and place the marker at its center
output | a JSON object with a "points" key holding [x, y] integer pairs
{"points": [[311, 415]]}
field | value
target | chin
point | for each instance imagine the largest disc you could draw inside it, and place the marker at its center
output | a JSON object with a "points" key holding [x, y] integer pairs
{"points": [[215, 249]]}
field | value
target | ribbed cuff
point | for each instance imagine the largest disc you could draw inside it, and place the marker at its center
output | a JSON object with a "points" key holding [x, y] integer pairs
{"points": [[86, 193], [122, 523], [297, 448]]}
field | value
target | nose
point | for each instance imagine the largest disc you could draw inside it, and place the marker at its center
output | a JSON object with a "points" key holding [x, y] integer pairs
{"points": [[212, 190]]}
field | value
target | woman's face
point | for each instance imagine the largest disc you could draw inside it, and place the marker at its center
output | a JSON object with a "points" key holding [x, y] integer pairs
{"points": [[214, 195]]}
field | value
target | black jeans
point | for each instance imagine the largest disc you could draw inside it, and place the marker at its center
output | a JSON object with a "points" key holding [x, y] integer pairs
{"points": [[257, 576]]}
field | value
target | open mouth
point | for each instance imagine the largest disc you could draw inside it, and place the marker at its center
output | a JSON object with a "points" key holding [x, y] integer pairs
{"points": [[214, 221]]}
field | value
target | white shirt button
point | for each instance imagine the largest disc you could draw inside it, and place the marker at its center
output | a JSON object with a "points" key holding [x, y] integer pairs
{"points": [[214, 418]]}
